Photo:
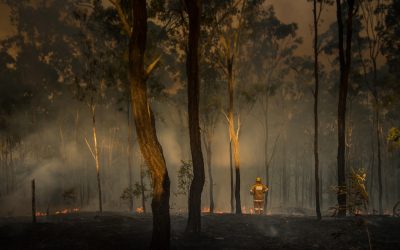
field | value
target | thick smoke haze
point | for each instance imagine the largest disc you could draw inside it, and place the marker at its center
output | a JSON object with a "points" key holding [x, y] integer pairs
{"points": [[49, 131]]}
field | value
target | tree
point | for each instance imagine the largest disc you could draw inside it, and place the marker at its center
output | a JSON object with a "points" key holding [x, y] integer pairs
{"points": [[316, 19], [94, 150], [92, 77], [271, 43], [390, 35], [57, 61], [210, 113], [144, 118], [345, 66], [372, 15], [192, 71], [394, 136], [185, 177], [228, 52]]}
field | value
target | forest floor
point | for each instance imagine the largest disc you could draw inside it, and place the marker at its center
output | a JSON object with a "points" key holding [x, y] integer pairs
{"points": [[220, 231]]}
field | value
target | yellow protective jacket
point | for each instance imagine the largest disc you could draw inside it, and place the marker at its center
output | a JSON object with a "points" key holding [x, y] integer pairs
{"points": [[258, 190]]}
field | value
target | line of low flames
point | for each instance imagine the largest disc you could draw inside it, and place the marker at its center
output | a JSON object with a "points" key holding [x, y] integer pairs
{"points": [[62, 211], [139, 210], [244, 210]]}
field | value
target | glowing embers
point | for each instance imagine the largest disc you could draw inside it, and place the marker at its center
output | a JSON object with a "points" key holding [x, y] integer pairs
{"points": [[41, 214], [139, 210], [67, 211], [205, 210], [247, 211], [216, 211], [58, 212]]}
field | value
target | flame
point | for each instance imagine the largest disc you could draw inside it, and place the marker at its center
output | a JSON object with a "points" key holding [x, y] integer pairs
{"points": [[139, 210], [216, 211], [62, 211], [67, 211], [205, 210], [40, 214]]}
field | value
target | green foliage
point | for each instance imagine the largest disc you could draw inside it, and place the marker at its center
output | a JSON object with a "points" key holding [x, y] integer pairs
{"points": [[391, 36], [356, 193], [130, 193], [127, 194], [357, 198], [185, 177], [137, 190], [394, 136]]}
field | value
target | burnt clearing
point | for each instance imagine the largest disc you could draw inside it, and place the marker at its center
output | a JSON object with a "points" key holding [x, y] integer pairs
{"points": [[220, 231]]}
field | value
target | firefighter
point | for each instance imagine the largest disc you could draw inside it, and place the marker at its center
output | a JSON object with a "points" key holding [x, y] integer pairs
{"points": [[258, 190]]}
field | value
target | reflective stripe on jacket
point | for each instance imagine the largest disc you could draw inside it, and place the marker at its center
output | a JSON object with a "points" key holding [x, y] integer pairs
{"points": [[258, 190]]}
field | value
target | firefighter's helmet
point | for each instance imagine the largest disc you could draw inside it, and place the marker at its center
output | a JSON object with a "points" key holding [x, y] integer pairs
{"points": [[258, 179]]}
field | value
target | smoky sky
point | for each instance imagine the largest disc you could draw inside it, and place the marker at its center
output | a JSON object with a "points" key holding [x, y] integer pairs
{"points": [[298, 11]]}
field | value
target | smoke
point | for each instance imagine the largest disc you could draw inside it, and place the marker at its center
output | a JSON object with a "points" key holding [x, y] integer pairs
{"points": [[51, 147]]}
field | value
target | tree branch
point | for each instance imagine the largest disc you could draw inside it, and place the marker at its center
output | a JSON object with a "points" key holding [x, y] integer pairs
{"points": [[122, 17]]}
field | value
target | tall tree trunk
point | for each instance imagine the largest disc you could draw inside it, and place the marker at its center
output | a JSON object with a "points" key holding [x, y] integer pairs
{"points": [[88, 188], [208, 146], [378, 127], [266, 159], [96, 154], [146, 129], [316, 95], [231, 175], [372, 170], [192, 69], [303, 183], [130, 149], [345, 64], [378, 139], [296, 187], [33, 201], [142, 188], [285, 181], [234, 138]]}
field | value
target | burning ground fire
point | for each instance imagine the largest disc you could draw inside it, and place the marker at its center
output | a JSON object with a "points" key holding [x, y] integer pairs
{"points": [[62, 211], [207, 210], [139, 210], [244, 210]]}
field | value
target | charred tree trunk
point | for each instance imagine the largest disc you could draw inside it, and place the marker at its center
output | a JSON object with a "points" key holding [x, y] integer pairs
{"points": [[303, 183], [372, 170], [33, 201], [266, 159], [208, 146], [285, 181], [345, 64], [316, 95], [96, 154], [234, 136], [378, 139], [192, 69], [378, 135], [146, 130], [231, 176], [142, 188], [88, 186], [130, 149]]}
